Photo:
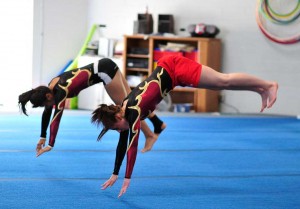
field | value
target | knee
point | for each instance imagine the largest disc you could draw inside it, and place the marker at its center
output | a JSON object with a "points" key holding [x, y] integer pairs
{"points": [[106, 64]]}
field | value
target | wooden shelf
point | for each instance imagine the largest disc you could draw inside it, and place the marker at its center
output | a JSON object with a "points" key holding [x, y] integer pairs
{"points": [[138, 56], [145, 70], [208, 53], [184, 89]]}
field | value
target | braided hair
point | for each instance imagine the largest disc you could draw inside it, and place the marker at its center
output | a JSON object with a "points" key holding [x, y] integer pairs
{"points": [[105, 115], [36, 96]]}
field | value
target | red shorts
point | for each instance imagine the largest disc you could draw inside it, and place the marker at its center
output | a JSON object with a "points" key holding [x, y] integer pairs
{"points": [[183, 71]]}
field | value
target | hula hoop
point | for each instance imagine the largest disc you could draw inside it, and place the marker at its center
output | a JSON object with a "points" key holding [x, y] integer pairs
{"points": [[260, 11], [269, 14], [272, 11]]}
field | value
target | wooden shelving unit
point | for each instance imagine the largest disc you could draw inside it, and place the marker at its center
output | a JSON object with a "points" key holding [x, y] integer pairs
{"points": [[141, 49]]}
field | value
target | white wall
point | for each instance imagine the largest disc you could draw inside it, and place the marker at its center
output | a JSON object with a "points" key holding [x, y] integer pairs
{"points": [[63, 31], [245, 49], [16, 51]]}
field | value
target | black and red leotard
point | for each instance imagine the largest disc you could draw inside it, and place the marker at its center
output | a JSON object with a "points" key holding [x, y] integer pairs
{"points": [[142, 100], [69, 85]]}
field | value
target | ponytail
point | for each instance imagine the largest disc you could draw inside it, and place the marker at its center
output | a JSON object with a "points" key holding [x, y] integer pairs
{"points": [[105, 115], [23, 99], [36, 96]]}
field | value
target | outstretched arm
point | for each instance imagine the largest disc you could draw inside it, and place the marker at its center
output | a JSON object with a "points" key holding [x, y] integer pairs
{"points": [[59, 107], [131, 154], [45, 121], [44, 126], [120, 154]]}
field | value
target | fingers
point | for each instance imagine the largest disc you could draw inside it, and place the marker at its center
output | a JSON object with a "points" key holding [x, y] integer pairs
{"points": [[41, 151], [124, 187], [106, 184], [271, 103], [40, 144], [267, 104], [272, 94], [264, 103], [110, 182], [38, 147], [122, 192], [269, 96], [262, 109]]}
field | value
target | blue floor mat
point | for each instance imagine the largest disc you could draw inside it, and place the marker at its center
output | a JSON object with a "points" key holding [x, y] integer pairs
{"points": [[198, 162]]}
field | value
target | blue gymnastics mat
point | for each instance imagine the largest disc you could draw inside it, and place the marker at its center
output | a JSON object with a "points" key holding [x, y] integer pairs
{"points": [[209, 162]]}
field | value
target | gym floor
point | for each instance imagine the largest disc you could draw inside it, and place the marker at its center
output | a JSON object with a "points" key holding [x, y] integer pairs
{"points": [[199, 161]]}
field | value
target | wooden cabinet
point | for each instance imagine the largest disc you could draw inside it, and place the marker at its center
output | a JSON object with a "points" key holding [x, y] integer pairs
{"points": [[139, 62]]}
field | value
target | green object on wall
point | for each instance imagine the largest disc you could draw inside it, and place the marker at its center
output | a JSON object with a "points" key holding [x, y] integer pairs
{"points": [[74, 103], [74, 64]]}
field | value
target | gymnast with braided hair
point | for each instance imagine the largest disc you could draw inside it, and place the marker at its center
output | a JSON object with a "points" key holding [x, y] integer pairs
{"points": [[68, 85], [171, 71]]}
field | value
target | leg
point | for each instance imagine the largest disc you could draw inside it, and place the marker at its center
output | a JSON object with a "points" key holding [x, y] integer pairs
{"points": [[118, 89], [159, 126], [211, 79]]}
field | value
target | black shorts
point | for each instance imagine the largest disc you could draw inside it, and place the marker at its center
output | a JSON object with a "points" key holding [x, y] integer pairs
{"points": [[106, 70]]}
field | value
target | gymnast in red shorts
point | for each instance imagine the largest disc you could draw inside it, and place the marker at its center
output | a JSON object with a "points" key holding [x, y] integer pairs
{"points": [[171, 71]]}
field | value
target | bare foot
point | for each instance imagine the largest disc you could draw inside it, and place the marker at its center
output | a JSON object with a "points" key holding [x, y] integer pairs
{"points": [[272, 94], [150, 141], [269, 96]]}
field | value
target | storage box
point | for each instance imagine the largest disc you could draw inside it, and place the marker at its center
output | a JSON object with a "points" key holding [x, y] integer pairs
{"points": [[184, 107], [191, 55], [137, 63]]}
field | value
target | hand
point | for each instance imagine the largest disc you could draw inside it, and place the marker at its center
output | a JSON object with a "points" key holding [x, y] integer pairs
{"points": [[41, 151], [125, 185], [40, 144], [110, 181]]}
